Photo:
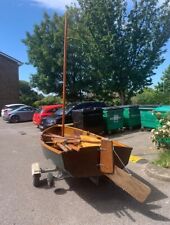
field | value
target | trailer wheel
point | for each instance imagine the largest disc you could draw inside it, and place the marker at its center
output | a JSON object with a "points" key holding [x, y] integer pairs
{"points": [[36, 180], [50, 179]]}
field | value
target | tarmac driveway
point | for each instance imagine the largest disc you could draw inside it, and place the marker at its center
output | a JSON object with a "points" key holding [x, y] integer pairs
{"points": [[72, 201]]}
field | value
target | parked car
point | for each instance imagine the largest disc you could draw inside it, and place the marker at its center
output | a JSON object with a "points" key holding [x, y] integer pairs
{"points": [[23, 113], [44, 111], [56, 118], [10, 107]]}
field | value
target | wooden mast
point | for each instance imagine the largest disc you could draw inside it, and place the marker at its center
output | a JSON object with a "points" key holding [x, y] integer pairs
{"points": [[64, 74]]}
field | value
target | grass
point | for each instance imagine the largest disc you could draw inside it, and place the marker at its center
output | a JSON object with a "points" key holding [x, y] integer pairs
{"points": [[163, 160]]}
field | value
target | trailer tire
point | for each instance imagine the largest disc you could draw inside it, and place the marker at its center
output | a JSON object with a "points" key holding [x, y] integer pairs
{"points": [[50, 179], [36, 180]]}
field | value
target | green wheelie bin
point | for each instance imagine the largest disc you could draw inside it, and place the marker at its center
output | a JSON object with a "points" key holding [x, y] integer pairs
{"points": [[162, 110], [113, 118], [131, 116], [148, 117]]}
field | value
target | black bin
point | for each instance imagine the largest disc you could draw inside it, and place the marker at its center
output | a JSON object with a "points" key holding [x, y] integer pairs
{"points": [[90, 119]]}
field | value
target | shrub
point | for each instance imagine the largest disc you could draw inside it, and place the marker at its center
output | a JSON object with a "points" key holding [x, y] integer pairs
{"points": [[163, 160], [161, 135], [49, 100], [151, 96]]}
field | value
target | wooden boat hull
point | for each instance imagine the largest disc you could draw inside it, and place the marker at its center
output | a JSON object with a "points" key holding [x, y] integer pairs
{"points": [[86, 161], [78, 164]]}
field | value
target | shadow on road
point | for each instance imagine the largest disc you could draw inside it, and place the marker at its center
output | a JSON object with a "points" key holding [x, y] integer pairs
{"points": [[108, 198]]}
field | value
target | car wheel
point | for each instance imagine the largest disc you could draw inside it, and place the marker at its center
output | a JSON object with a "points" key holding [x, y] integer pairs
{"points": [[14, 119]]}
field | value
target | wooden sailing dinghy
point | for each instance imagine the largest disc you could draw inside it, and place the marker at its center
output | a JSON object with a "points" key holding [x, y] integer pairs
{"points": [[84, 154]]}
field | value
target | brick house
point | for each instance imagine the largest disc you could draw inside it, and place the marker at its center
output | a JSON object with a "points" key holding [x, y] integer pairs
{"points": [[9, 80]]}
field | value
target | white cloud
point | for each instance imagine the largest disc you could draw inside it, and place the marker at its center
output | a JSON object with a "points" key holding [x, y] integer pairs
{"points": [[54, 4]]}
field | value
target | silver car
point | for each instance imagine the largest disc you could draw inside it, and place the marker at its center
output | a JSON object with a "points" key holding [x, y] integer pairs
{"points": [[9, 108], [24, 113]]}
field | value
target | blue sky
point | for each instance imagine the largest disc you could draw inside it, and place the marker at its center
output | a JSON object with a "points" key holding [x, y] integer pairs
{"points": [[19, 16]]}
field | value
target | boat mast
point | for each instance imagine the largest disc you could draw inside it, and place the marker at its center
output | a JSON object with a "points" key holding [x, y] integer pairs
{"points": [[64, 74]]}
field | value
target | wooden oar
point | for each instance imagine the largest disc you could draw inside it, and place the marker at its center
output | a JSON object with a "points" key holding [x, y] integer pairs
{"points": [[68, 147], [59, 136], [130, 184], [62, 147], [74, 147], [74, 140], [50, 135], [66, 141]]}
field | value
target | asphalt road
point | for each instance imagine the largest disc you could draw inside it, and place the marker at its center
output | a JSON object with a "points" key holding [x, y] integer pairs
{"points": [[71, 201]]}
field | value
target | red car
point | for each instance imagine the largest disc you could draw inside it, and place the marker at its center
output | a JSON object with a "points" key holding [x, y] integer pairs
{"points": [[44, 111]]}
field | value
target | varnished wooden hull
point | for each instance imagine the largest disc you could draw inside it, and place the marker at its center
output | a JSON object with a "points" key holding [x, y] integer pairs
{"points": [[86, 161], [78, 164]]}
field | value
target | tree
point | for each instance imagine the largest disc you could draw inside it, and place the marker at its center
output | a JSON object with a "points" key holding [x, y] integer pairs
{"points": [[129, 44], [45, 51], [26, 94], [148, 96], [111, 49], [164, 85], [49, 100], [160, 94]]}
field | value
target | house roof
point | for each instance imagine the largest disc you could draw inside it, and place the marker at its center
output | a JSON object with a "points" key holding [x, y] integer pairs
{"points": [[11, 58]]}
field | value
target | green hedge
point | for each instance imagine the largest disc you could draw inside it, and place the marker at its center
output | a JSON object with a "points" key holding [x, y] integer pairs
{"points": [[49, 100]]}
